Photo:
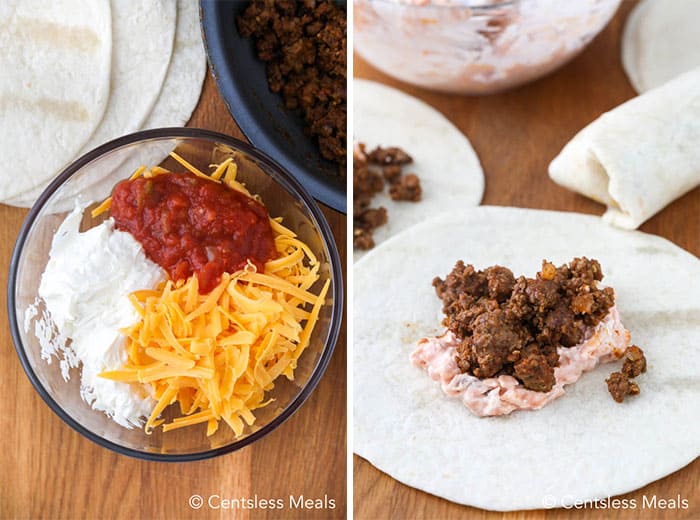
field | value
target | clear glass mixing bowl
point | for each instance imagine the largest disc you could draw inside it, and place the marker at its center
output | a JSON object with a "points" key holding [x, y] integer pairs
{"points": [[93, 177], [475, 46]]}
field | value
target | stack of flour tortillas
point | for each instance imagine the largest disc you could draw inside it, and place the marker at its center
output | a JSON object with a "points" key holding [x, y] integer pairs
{"points": [[77, 74], [644, 154]]}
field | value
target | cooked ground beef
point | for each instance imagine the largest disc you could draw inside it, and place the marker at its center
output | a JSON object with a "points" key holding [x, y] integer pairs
{"points": [[391, 172], [365, 182], [370, 218], [514, 326], [389, 156], [303, 43], [370, 171], [635, 362], [362, 239], [406, 188], [492, 341], [534, 371], [620, 386]]}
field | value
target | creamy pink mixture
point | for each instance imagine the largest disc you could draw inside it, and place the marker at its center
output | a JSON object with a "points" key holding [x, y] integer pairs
{"points": [[476, 46], [504, 394]]}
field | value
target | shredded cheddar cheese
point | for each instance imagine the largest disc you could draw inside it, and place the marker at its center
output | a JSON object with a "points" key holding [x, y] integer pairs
{"points": [[217, 354]]}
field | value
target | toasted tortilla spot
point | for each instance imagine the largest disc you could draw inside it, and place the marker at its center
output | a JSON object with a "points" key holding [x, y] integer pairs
{"points": [[82, 39], [66, 110]]}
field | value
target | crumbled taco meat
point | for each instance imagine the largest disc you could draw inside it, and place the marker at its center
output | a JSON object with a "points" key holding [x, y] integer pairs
{"points": [[635, 362], [391, 173], [362, 239], [534, 369], [389, 156], [370, 173], [620, 384], [406, 188], [304, 46], [370, 218], [365, 182], [510, 326]]}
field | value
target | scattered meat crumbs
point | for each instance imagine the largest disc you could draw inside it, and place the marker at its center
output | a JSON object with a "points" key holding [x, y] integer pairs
{"points": [[368, 181], [391, 172], [620, 384], [635, 362], [389, 156], [304, 45], [406, 188]]}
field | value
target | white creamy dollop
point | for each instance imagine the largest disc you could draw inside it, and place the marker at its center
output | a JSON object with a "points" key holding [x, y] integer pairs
{"points": [[85, 289]]}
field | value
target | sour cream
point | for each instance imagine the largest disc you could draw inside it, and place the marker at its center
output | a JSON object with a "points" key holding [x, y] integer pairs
{"points": [[84, 290]]}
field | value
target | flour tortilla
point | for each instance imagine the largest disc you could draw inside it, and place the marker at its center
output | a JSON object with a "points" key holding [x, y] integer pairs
{"points": [[181, 89], [582, 446], [449, 170], [661, 41], [178, 98], [640, 156], [183, 83], [54, 86], [143, 39]]}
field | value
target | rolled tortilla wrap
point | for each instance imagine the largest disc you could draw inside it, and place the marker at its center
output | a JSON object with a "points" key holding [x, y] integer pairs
{"points": [[640, 156]]}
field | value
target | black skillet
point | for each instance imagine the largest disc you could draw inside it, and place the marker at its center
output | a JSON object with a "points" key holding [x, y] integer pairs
{"points": [[261, 114]]}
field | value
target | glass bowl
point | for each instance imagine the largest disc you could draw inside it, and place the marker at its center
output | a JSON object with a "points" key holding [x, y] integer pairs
{"points": [[93, 177], [475, 46]]}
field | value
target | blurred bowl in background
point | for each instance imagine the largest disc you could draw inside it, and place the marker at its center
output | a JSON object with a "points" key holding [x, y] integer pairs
{"points": [[475, 46]]}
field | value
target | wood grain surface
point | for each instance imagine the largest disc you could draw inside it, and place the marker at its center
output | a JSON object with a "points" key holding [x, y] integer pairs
{"points": [[516, 135], [49, 471]]}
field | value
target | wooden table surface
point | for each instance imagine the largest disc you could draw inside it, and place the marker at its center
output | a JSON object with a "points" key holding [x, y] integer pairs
{"points": [[47, 470], [516, 135]]}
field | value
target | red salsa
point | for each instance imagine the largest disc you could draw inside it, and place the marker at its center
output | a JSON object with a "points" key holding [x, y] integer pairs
{"points": [[189, 225]]}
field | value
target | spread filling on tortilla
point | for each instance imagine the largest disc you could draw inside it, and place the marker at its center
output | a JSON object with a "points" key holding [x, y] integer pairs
{"points": [[514, 344]]}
